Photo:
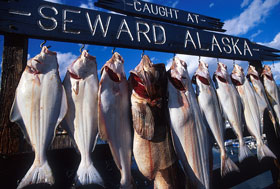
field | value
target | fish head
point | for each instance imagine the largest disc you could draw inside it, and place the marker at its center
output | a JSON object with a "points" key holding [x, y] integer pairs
{"points": [[43, 62], [267, 72], [237, 75], [252, 72], [179, 74], [148, 79], [84, 66], [203, 73], [114, 67], [221, 73]]}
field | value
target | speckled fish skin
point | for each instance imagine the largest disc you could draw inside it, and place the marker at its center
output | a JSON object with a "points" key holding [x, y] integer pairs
{"points": [[271, 90], [209, 105], [39, 106], [114, 116], [189, 134], [251, 110], [81, 86], [261, 96], [152, 146], [231, 106]]}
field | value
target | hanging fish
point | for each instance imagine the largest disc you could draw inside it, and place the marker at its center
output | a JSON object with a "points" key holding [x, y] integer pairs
{"points": [[231, 106], [81, 122], [209, 105], [261, 96], [271, 90], [189, 134], [152, 147], [114, 115], [39, 106], [251, 110]]}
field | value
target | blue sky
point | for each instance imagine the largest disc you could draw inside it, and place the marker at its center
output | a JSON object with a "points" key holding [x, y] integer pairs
{"points": [[257, 20]]}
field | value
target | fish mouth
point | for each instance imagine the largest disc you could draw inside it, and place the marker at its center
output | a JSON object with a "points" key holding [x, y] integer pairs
{"points": [[177, 83], [113, 76], [237, 81]]}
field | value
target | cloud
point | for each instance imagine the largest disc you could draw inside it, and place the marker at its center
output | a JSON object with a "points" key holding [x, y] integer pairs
{"points": [[64, 60], [211, 5], [255, 34], [88, 5], [275, 43], [256, 13], [174, 4], [54, 1], [275, 68], [244, 3]]}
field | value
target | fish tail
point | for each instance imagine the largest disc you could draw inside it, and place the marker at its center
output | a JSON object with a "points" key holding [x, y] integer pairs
{"points": [[37, 174], [227, 166], [244, 152], [87, 174], [264, 151]]}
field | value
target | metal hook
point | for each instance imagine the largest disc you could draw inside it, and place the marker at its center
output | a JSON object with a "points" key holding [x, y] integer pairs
{"points": [[82, 48], [218, 60], [199, 58], [273, 64], [233, 62], [174, 55], [142, 53], [45, 41], [113, 50]]}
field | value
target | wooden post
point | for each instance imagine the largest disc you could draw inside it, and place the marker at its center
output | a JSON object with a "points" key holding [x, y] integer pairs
{"points": [[13, 63]]}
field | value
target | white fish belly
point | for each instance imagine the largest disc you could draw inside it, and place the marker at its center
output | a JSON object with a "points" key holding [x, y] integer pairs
{"points": [[39, 105]]}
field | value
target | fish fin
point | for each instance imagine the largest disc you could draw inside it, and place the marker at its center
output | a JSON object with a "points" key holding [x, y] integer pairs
{"points": [[227, 166], [37, 174], [15, 116], [63, 107], [87, 174], [244, 152], [143, 121], [264, 151]]}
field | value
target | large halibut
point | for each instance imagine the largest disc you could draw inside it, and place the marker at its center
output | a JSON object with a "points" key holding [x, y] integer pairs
{"points": [[40, 105], [81, 86]]}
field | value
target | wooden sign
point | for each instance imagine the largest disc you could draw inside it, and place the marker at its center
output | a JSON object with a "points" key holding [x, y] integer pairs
{"points": [[161, 13], [50, 21]]}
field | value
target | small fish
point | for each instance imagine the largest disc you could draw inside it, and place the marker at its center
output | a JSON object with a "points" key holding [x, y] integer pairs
{"points": [[114, 119], [271, 90], [209, 105], [189, 134], [152, 147], [39, 106], [81, 86], [261, 96], [231, 106], [251, 110]]}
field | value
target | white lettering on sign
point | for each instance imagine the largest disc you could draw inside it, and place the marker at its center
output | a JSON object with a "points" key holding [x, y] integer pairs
{"points": [[199, 43], [64, 28], [227, 47], [215, 43], [234, 46], [120, 30], [190, 18], [98, 21], [189, 38], [40, 10], [156, 10], [141, 31], [161, 36], [247, 48]]}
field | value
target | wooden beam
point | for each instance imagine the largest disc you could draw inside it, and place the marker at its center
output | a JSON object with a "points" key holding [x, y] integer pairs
{"points": [[13, 64]]}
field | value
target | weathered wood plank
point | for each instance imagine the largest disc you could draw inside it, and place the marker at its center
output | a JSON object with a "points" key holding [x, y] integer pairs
{"points": [[13, 64]]}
